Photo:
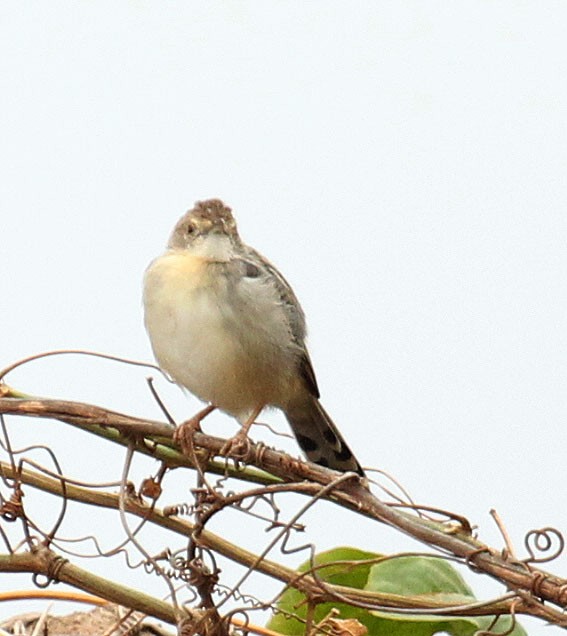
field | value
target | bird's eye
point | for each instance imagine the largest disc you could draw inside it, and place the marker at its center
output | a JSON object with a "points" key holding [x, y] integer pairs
{"points": [[190, 229]]}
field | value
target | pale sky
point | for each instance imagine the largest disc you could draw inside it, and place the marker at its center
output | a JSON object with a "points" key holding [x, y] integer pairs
{"points": [[402, 163]]}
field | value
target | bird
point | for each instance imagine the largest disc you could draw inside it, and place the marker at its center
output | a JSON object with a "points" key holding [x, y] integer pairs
{"points": [[226, 325]]}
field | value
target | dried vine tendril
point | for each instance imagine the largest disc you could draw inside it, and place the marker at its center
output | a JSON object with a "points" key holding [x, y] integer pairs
{"points": [[540, 542]]}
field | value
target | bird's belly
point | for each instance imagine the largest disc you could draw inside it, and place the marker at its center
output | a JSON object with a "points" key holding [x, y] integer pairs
{"points": [[198, 337]]}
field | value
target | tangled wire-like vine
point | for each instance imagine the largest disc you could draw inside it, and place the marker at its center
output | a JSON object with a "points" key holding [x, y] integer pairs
{"points": [[191, 560]]}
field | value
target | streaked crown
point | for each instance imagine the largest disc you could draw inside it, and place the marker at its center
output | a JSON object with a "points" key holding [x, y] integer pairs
{"points": [[207, 217], [214, 213]]}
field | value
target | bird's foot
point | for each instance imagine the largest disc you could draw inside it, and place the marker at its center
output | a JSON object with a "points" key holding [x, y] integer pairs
{"points": [[183, 434], [238, 446]]}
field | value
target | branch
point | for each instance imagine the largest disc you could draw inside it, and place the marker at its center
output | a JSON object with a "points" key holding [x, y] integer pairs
{"points": [[45, 562]]}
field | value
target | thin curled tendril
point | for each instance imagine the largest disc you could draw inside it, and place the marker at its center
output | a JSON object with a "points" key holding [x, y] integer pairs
{"points": [[540, 542]]}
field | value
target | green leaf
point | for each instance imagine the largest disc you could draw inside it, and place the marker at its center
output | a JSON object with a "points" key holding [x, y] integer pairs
{"points": [[433, 579], [409, 575], [337, 574]]}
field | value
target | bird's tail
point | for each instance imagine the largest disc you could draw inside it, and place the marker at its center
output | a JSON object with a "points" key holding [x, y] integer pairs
{"points": [[319, 438]]}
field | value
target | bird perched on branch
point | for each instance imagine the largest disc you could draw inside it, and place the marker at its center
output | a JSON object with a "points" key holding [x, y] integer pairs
{"points": [[225, 324]]}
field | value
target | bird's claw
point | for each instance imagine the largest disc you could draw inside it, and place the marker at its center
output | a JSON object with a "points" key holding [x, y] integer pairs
{"points": [[183, 434], [237, 446]]}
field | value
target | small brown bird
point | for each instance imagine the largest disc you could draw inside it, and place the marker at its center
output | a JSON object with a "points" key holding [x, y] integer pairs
{"points": [[225, 324]]}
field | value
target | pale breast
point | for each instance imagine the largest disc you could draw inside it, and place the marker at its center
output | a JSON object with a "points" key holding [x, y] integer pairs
{"points": [[224, 337]]}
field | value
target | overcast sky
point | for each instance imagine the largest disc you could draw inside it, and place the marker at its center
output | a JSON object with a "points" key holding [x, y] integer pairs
{"points": [[402, 163]]}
